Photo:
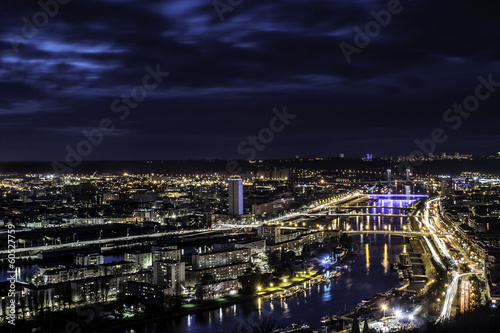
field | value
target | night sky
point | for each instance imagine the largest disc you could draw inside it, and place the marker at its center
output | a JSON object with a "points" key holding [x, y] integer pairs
{"points": [[225, 77]]}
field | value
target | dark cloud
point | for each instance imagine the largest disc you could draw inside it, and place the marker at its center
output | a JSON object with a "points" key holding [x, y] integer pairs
{"points": [[226, 77]]}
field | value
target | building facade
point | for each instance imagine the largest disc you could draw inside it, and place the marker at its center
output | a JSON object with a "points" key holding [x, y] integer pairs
{"points": [[215, 259], [218, 273], [208, 292], [166, 253], [89, 259], [142, 260], [235, 191], [171, 274]]}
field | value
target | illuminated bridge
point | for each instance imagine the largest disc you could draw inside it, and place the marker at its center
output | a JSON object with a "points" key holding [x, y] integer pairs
{"points": [[397, 195], [369, 207], [387, 232], [330, 213]]}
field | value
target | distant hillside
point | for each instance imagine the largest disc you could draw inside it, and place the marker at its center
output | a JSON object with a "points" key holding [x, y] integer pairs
{"points": [[477, 164]]}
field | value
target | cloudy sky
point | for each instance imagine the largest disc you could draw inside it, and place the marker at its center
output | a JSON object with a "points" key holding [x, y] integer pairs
{"points": [[227, 76]]}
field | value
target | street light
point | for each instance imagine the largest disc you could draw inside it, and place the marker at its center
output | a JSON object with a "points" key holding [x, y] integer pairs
{"points": [[398, 314], [384, 307]]}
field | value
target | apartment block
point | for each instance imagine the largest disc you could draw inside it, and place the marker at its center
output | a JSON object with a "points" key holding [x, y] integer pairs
{"points": [[166, 253], [215, 259], [208, 292], [89, 259], [170, 274], [142, 260], [218, 273]]}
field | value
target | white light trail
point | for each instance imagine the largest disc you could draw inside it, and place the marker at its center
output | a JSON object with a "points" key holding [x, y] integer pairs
{"points": [[435, 255], [292, 215], [442, 247], [448, 301], [450, 296]]}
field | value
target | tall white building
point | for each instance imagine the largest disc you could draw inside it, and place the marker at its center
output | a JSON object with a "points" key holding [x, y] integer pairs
{"points": [[170, 273], [142, 260], [235, 196]]}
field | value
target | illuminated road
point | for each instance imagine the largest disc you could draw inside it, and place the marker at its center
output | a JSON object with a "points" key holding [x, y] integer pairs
{"points": [[305, 211], [104, 241], [450, 296], [312, 209], [430, 220], [435, 255]]}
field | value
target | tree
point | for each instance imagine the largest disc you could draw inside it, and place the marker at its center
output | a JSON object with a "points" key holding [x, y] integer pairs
{"points": [[355, 324], [264, 324], [36, 304], [106, 291], [250, 282], [68, 299], [275, 261], [287, 256], [42, 301], [366, 328], [207, 279]]}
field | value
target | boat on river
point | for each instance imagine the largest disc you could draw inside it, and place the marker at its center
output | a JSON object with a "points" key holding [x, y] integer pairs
{"points": [[326, 320]]}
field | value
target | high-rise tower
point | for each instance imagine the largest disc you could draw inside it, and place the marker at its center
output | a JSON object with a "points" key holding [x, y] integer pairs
{"points": [[235, 196]]}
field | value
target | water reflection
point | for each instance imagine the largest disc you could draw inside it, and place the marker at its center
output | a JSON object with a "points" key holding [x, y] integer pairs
{"points": [[367, 251], [385, 262], [326, 293]]}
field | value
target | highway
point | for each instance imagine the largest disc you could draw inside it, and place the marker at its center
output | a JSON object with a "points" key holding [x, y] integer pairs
{"points": [[311, 208], [36, 249], [439, 244]]}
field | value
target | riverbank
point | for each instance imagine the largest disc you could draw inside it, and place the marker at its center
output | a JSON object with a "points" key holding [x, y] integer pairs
{"points": [[118, 325]]}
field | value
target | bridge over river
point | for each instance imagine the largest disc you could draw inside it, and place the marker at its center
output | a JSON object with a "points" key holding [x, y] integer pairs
{"points": [[387, 232]]}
